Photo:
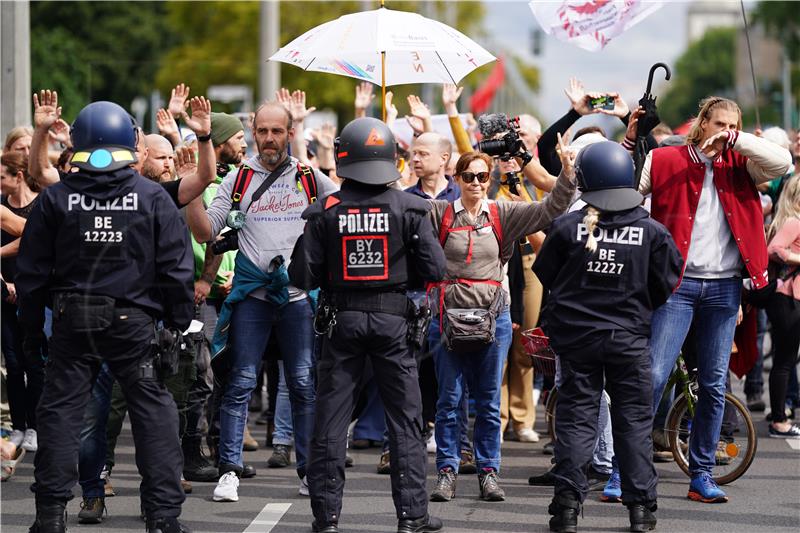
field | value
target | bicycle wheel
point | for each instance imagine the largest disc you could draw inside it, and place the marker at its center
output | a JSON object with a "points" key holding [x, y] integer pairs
{"points": [[550, 412], [737, 445]]}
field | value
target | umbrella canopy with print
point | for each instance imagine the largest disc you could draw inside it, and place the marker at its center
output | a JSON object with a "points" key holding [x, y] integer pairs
{"points": [[386, 47]]}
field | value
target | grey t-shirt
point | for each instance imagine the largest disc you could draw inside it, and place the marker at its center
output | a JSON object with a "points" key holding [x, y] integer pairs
{"points": [[273, 223], [712, 252]]}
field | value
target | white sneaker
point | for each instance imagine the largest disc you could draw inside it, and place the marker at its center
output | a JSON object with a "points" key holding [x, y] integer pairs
{"points": [[537, 393], [431, 444], [30, 443], [527, 435], [16, 438], [303, 487], [227, 489]]}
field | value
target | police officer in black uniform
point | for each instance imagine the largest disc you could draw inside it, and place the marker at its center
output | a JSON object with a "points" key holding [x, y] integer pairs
{"points": [[607, 267], [110, 251], [364, 245]]}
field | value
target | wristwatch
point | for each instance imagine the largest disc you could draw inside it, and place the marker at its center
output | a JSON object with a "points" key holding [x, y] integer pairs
{"points": [[204, 138]]}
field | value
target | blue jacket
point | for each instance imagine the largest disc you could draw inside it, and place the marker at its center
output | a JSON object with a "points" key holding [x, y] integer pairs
{"points": [[247, 278]]}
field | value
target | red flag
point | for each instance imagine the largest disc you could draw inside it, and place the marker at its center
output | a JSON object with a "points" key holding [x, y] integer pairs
{"points": [[483, 96]]}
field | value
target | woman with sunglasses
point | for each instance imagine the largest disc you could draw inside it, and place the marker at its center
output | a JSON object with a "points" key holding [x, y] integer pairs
{"points": [[478, 237]]}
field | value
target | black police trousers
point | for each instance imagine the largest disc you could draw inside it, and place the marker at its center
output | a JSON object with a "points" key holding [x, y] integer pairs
{"points": [[72, 368], [381, 337], [624, 361]]}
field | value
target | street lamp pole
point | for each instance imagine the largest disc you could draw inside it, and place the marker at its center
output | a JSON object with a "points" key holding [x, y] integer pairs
{"points": [[269, 72]]}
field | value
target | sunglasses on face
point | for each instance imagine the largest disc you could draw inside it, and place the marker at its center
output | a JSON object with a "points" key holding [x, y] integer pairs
{"points": [[467, 177]]}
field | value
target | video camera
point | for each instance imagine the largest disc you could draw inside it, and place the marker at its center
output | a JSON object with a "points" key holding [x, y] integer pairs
{"points": [[504, 146]]}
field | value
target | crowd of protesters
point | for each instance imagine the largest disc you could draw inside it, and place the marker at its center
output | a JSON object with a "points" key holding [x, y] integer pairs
{"points": [[732, 240]]}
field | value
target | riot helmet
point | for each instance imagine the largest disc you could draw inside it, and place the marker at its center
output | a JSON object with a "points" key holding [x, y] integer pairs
{"points": [[103, 138], [365, 152], [606, 177]]}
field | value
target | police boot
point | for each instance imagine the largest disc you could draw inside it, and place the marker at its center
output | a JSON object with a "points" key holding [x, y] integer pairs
{"points": [[196, 466], [565, 509], [51, 516], [166, 525], [643, 516], [426, 524]]}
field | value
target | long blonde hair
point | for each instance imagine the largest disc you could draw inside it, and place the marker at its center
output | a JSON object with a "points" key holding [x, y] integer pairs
{"points": [[707, 107], [590, 221], [788, 205]]}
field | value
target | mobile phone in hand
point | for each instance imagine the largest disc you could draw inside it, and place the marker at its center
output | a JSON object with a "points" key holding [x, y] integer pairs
{"points": [[604, 101]]}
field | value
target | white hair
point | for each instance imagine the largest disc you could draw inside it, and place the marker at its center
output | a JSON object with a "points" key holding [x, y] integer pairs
{"points": [[778, 136]]}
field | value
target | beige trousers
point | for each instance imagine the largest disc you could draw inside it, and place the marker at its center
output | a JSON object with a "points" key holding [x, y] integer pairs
{"points": [[516, 394]]}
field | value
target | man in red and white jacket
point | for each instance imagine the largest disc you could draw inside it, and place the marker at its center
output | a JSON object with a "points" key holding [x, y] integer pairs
{"points": [[705, 193]]}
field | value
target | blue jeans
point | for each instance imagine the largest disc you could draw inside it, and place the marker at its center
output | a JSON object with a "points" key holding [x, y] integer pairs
{"points": [[92, 454], [713, 305], [252, 321], [282, 434], [483, 372], [371, 423]]}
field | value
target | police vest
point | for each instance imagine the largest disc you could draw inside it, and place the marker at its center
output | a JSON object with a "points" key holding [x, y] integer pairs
{"points": [[365, 242]]}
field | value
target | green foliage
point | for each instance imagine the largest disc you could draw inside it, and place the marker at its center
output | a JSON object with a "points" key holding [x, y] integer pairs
{"points": [[97, 50], [50, 52], [705, 68]]}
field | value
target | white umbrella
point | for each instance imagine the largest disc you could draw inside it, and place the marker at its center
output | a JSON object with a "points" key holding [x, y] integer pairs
{"points": [[386, 47]]}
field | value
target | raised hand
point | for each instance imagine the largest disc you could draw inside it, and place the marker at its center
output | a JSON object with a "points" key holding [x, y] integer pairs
{"points": [[450, 95], [391, 109], [633, 124], [297, 106], [284, 97], [620, 107], [418, 108], [578, 97], [185, 161], [416, 124], [59, 132], [364, 96], [46, 111], [325, 136], [166, 123], [200, 121], [177, 100], [567, 155]]}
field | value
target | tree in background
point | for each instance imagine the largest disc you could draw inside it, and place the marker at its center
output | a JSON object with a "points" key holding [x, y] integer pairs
{"points": [[706, 67], [91, 51]]}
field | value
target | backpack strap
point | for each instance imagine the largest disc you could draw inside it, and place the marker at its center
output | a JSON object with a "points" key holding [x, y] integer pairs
{"points": [[447, 222], [307, 181], [243, 178], [494, 221]]}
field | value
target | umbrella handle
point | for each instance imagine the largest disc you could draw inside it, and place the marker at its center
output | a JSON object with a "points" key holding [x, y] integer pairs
{"points": [[653, 69]]}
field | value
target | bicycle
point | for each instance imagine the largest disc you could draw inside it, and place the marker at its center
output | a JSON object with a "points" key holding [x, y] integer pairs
{"points": [[537, 346], [738, 439]]}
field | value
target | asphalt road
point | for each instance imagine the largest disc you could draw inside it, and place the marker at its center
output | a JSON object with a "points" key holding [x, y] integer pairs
{"points": [[767, 498]]}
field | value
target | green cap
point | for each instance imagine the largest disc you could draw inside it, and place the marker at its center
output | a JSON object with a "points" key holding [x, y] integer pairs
{"points": [[223, 127]]}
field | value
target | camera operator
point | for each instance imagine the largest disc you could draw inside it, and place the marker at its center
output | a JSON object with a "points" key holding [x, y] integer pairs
{"points": [[269, 221]]}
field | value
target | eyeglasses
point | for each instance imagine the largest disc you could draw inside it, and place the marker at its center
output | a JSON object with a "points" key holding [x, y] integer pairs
{"points": [[468, 177]]}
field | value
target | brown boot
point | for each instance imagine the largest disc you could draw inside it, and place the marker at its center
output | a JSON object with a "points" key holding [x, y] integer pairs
{"points": [[250, 444]]}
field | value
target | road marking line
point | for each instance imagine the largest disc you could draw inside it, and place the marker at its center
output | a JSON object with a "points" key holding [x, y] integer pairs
{"points": [[793, 444], [268, 518]]}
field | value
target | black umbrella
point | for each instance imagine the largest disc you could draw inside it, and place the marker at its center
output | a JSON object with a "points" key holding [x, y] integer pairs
{"points": [[647, 121]]}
